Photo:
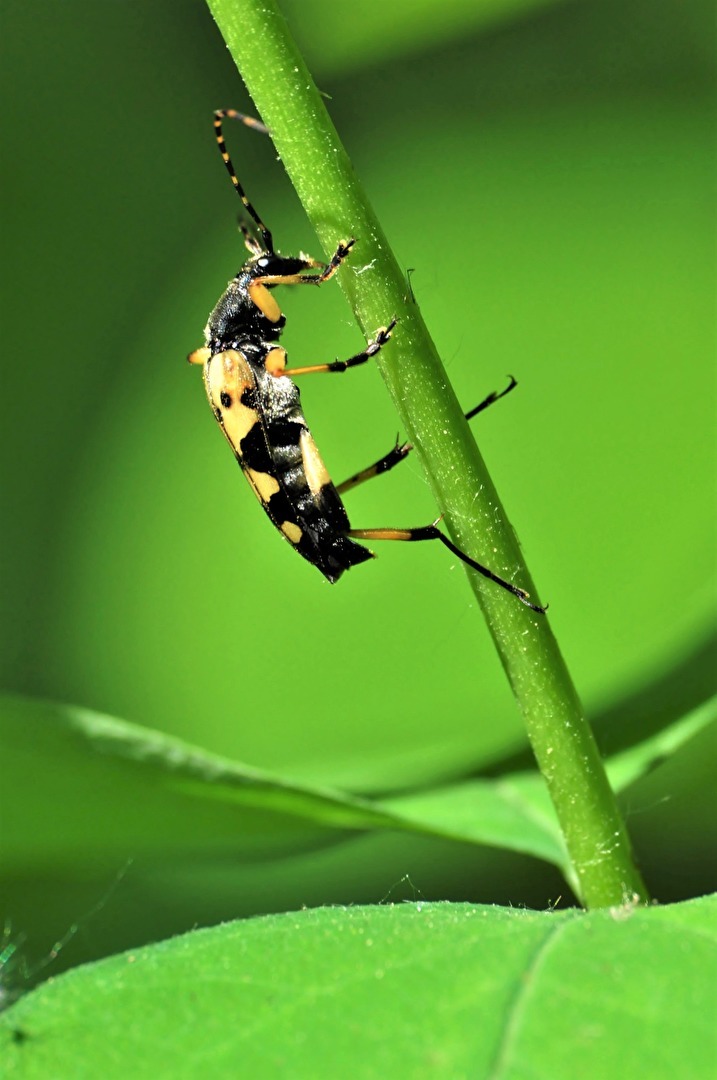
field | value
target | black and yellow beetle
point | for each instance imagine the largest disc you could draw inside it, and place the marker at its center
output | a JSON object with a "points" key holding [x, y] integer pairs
{"points": [[258, 406]]}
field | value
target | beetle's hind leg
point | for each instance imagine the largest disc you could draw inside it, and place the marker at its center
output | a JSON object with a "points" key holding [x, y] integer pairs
{"points": [[389, 461], [492, 398], [401, 450], [432, 532]]}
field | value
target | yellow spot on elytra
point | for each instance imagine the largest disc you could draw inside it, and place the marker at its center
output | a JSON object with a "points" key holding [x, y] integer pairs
{"points": [[291, 531], [264, 484], [314, 469], [229, 373]]}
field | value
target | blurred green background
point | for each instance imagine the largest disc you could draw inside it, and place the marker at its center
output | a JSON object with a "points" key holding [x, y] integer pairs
{"points": [[547, 169]]}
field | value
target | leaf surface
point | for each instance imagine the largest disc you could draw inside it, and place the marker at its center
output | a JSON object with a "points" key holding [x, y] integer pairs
{"points": [[413, 990]]}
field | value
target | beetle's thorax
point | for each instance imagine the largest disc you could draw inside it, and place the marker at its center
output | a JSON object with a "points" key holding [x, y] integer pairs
{"points": [[245, 310]]}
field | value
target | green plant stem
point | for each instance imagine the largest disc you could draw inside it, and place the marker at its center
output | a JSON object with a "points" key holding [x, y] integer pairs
{"points": [[289, 103]]}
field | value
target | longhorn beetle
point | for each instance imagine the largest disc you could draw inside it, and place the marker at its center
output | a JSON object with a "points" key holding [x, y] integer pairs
{"points": [[258, 407]]}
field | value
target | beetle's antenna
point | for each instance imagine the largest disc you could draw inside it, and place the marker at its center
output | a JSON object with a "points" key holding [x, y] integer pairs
{"points": [[232, 114]]}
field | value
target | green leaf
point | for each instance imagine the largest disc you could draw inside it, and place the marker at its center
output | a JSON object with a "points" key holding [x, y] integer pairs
{"points": [[80, 786], [628, 766], [414, 990]]}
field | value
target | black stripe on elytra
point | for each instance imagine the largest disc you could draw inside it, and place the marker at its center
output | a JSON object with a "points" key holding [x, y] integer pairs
{"points": [[254, 451], [330, 509], [322, 517], [280, 509], [281, 432]]}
